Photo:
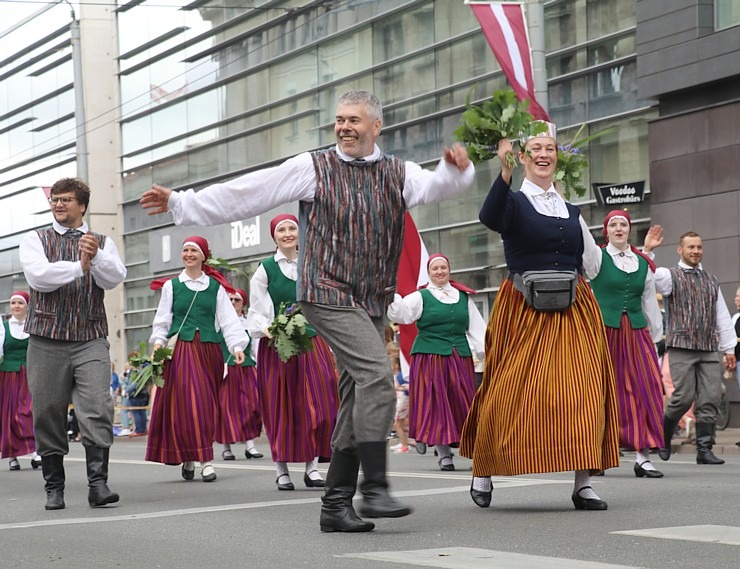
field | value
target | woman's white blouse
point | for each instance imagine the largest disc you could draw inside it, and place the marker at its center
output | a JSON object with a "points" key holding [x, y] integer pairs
{"points": [[226, 319], [261, 311], [408, 310]]}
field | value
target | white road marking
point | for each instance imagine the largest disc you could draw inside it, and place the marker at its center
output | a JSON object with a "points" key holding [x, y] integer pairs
{"points": [[475, 558], [727, 535]]}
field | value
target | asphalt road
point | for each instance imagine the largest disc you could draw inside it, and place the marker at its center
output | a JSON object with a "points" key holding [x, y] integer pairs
{"points": [[688, 519]]}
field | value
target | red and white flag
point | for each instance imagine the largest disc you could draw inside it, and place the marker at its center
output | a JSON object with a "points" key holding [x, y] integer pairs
{"points": [[412, 273], [505, 29]]}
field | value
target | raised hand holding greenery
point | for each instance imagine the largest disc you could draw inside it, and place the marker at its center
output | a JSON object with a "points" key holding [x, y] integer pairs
{"points": [[289, 333], [147, 368]]}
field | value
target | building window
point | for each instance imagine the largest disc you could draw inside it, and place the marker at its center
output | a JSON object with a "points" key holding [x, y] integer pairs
{"points": [[727, 13]]}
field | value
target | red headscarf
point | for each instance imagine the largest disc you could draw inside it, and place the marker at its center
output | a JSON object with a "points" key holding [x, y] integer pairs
{"points": [[626, 216], [278, 219], [202, 245], [20, 294], [453, 284], [241, 293]]}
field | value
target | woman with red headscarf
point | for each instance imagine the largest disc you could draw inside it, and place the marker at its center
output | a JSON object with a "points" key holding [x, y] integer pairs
{"points": [[239, 404], [16, 419], [442, 375], [623, 282], [194, 307], [298, 398]]}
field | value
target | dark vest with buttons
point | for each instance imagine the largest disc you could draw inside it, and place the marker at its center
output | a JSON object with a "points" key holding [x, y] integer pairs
{"points": [[691, 311], [618, 292], [351, 234], [442, 327], [74, 312], [539, 242]]}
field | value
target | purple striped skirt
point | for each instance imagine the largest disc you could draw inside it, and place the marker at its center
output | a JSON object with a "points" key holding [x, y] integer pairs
{"points": [[239, 406], [638, 386], [185, 411], [16, 419], [441, 389], [299, 401]]}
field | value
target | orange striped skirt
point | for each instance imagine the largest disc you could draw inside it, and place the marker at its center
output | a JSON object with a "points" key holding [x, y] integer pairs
{"points": [[548, 400]]}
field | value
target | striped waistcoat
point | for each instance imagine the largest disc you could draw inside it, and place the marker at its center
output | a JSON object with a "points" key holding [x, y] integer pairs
{"points": [[352, 233], [691, 311], [73, 312]]}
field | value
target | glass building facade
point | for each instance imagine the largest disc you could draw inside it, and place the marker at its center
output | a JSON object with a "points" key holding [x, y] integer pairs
{"points": [[209, 91]]}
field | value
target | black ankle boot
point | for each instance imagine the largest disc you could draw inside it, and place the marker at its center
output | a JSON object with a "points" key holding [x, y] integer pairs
{"points": [[377, 502], [337, 512], [704, 435], [97, 477], [669, 427], [52, 467]]}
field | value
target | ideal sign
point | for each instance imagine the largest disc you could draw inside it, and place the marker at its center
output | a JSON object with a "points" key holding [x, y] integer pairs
{"points": [[245, 234], [619, 194]]}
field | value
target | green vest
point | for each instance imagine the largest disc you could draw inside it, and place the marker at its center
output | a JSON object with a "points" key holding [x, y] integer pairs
{"points": [[229, 359], [14, 351], [442, 326], [281, 289], [618, 292], [202, 314]]}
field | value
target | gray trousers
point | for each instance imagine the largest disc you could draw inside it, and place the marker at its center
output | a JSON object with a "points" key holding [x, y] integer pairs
{"points": [[697, 377], [63, 372], [366, 391]]}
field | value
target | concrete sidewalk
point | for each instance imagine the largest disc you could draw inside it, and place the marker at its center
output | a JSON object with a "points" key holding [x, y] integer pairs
{"points": [[724, 443]]}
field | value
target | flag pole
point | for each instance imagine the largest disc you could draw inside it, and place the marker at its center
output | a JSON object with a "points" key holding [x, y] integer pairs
{"points": [[536, 31]]}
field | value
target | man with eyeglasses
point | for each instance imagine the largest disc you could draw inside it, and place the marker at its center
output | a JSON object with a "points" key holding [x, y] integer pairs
{"points": [[68, 268]]}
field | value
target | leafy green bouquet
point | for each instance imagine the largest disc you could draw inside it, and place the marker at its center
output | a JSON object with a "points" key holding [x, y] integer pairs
{"points": [[148, 369], [485, 125], [572, 163], [288, 331]]}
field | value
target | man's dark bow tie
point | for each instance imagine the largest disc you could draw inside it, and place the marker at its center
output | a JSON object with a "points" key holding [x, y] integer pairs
{"points": [[691, 270], [361, 162], [74, 234]]}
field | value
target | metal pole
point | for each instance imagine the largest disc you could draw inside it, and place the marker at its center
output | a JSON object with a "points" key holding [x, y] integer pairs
{"points": [[81, 145], [536, 30]]}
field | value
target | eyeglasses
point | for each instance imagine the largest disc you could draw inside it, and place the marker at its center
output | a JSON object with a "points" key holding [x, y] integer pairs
{"points": [[64, 201]]}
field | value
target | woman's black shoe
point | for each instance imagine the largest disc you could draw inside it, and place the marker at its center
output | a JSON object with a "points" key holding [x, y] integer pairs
{"points": [[187, 474], [640, 472], [481, 499], [253, 453], [421, 447], [587, 503], [286, 486], [446, 467], [310, 483]]}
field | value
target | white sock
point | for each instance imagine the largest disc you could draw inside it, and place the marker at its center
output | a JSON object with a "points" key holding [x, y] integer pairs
{"points": [[189, 465], [643, 459], [250, 445], [282, 468], [227, 447], [311, 471], [583, 485], [482, 483], [204, 464], [444, 451]]}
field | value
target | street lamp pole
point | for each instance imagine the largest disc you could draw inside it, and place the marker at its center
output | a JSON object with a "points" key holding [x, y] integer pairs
{"points": [[81, 142], [536, 30]]}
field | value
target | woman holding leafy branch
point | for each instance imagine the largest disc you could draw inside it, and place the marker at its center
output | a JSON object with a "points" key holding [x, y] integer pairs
{"points": [[194, 307], [298, 397], [547, 402], [239, 405], [442, 377]]}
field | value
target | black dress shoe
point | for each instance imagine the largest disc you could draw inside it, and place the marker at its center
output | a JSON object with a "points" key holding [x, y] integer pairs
{"points": [[481, 499], [14, 464], [640, 472], [582, 503], [446, 467], [228, 455], [187, 474], [310, 483], [35, 462], [421, 447], [286, 486], [253, 453]]}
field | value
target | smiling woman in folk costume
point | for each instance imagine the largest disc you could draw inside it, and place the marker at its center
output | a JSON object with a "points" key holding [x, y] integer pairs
{"points": [[547, 402], [298, 398], [16, 419], [238, 397], [623, 281], [196, 308], [442, 376]]}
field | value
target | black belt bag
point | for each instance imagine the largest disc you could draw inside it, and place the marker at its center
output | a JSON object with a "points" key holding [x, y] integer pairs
{"points": [[547, 291]]}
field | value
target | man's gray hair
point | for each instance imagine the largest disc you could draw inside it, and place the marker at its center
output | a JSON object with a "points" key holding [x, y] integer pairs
{"points": [[374, 108]]}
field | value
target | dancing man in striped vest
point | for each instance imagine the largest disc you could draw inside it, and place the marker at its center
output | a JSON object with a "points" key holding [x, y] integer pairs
{"points": [[68, 268], [352, 203], [698, 325]]}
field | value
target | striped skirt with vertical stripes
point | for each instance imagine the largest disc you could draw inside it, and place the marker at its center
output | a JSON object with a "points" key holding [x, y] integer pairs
{"points": [[185, 411], [548, 400], [298, 401], [239, 406], [441, 389], [16, 418], [639, 386]]}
